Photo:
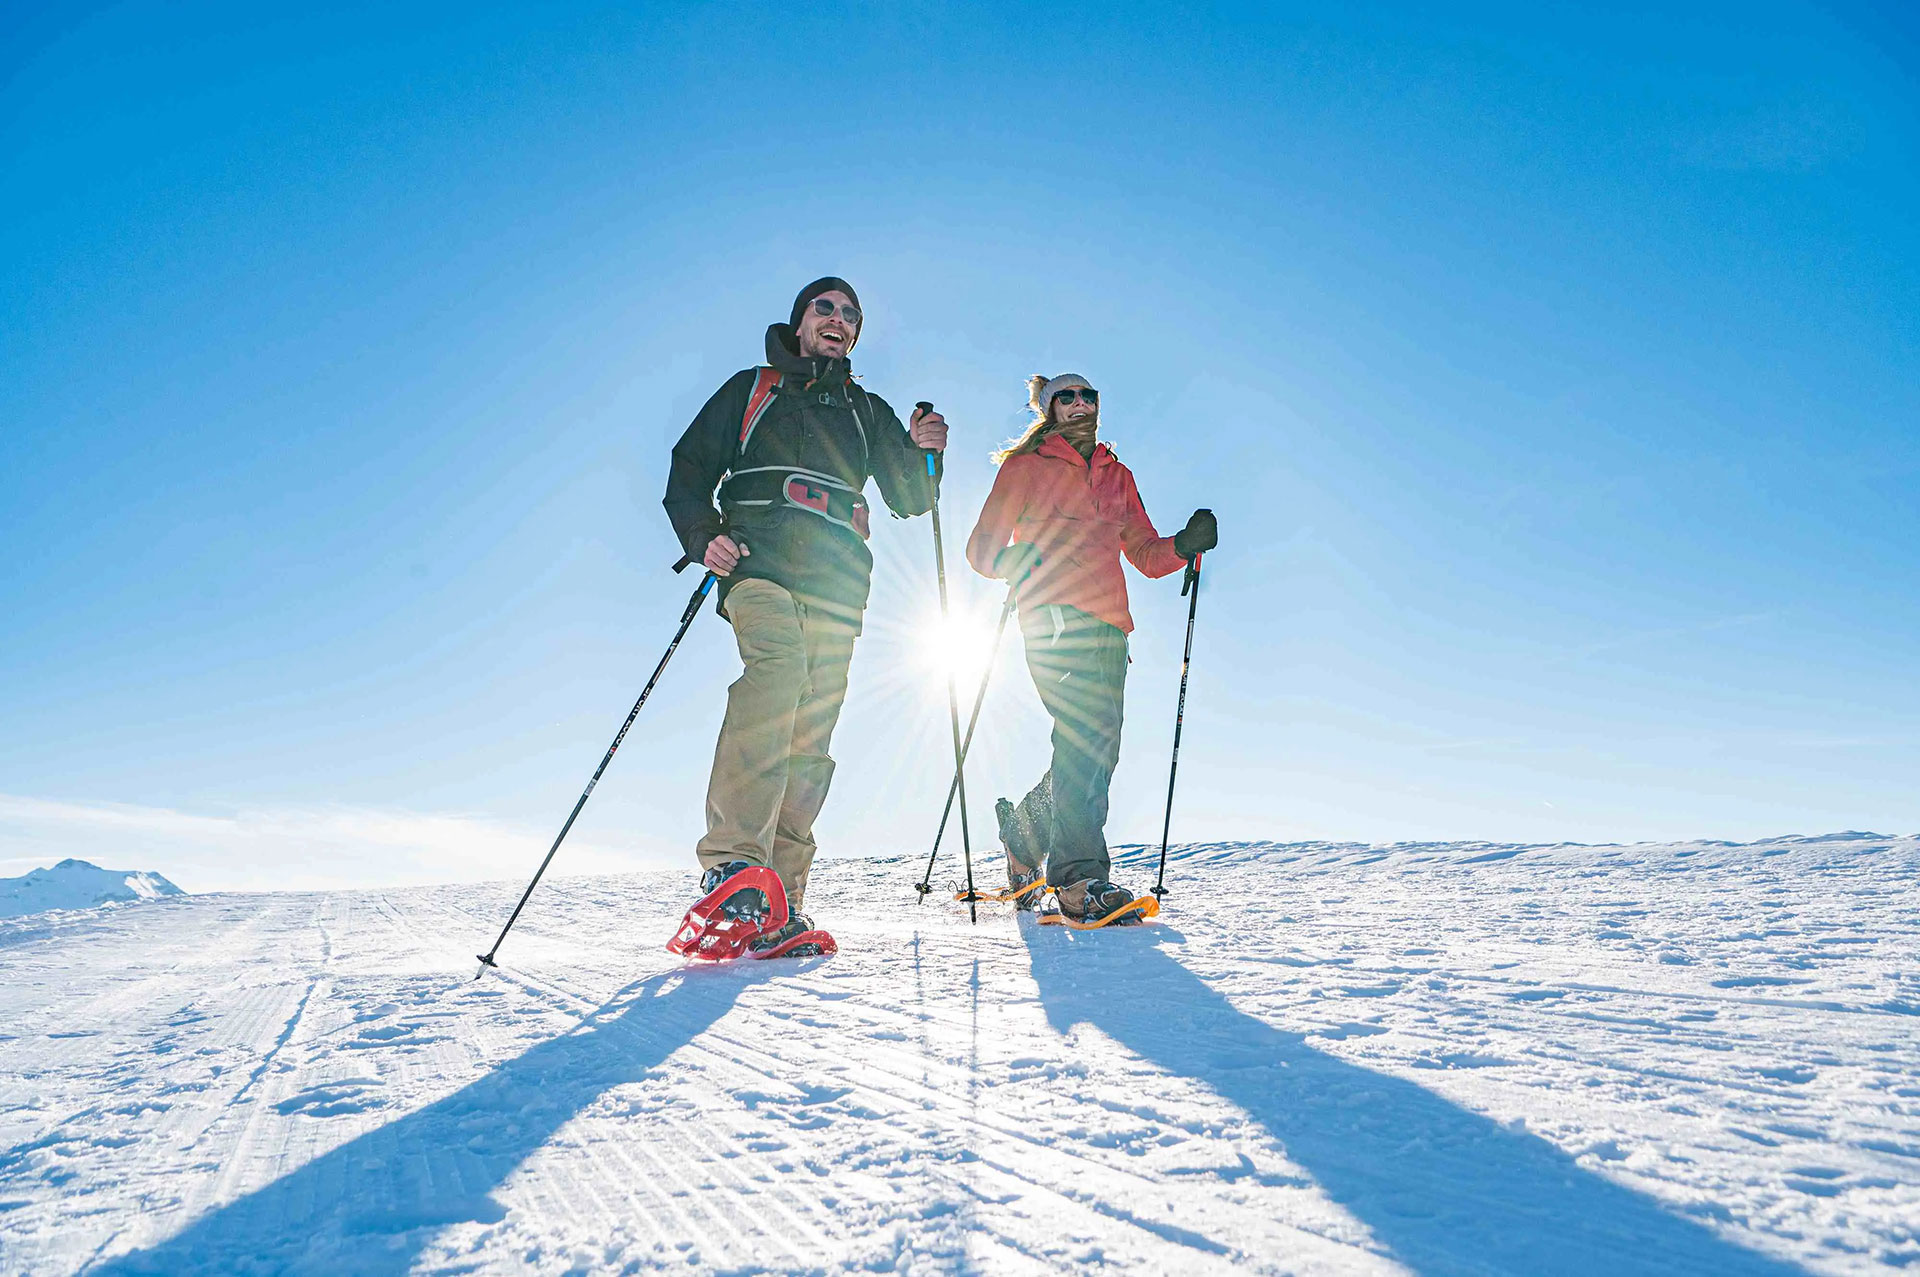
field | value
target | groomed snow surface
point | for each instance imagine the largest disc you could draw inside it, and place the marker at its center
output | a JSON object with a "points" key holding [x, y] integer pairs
{"points": [[1701, 1059]]}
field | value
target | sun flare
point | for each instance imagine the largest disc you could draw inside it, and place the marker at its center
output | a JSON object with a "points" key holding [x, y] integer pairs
{"points": [[960, 645]]}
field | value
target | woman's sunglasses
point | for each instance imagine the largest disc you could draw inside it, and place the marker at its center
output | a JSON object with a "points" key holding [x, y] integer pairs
{"points": [[1085, 394], [825, 308]]}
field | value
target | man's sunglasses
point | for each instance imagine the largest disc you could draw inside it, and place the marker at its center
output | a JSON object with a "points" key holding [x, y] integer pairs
{"points": [[1084, 394], [825, 309]]}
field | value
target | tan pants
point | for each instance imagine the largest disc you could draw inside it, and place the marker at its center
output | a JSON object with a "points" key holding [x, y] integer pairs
{"points": [[770, 769]]}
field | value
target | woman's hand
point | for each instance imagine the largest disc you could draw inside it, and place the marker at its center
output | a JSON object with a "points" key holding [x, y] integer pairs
{"points": [[1201, 534], [1016, 561]]}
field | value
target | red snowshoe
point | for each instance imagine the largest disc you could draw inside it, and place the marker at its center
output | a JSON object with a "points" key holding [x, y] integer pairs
{"points": [[744, 913]]}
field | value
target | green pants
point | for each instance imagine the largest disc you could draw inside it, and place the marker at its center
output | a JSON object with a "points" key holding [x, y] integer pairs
{"points": [[770, 768], [1079, 666]]}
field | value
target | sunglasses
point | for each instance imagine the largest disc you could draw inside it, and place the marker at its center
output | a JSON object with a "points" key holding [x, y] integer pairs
{"points": [[1084, 394], [825, 309]]}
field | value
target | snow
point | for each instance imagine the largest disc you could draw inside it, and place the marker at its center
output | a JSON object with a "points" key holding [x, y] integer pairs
{"points": [[76, 884], [1696, 1058]]}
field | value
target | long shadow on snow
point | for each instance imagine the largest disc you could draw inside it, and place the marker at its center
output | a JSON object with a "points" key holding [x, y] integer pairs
{"points": [[372, 1204], [1446, 1190]]}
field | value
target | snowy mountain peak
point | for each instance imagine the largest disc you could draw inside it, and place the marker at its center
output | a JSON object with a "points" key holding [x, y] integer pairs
{"points": [[78, 884]]}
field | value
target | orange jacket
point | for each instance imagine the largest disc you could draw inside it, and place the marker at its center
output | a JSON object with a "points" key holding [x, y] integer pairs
{"points": [[1081, 515]]}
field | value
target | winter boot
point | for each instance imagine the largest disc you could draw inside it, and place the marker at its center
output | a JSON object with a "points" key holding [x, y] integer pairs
{"points": [[798, 939], [1093, 899], [1025, 883], [750, 906]]}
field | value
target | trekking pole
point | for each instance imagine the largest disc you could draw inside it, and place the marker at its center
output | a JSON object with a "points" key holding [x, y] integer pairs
{"points": [[1190, 586], [953, 697], [966, 747], [686, 620]]}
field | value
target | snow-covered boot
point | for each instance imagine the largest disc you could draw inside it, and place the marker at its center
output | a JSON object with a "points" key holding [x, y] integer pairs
{"points": [[1095, 900]]}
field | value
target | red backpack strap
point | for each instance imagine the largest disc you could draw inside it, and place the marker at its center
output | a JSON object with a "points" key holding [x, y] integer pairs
{"points": [[764, 384]]}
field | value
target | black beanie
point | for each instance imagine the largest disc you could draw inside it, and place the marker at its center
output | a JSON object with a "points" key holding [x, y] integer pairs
{"points": [[830, 283]]}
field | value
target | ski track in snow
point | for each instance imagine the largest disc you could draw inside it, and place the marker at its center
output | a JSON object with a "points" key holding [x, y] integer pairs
{"points": [[1459, 1058]]}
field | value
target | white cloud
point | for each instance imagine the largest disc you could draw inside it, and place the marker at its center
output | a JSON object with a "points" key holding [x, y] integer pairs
{"points": [[296, 848]]}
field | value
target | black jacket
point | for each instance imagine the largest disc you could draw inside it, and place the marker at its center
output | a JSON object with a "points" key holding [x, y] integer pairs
{"points": [[818, 421]]}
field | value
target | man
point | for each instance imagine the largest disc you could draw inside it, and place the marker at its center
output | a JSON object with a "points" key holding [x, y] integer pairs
{"points": [[789, 448], [1062, 511]]}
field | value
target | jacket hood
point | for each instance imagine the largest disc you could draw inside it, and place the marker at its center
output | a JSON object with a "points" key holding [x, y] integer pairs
{"points": [[784, 357]]}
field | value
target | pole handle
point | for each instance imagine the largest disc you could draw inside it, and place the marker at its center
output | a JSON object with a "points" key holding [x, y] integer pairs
{"points": [[934, 466]]}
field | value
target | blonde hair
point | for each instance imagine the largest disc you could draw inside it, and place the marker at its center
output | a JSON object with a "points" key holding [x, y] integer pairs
{"points": [[1029, 440]]}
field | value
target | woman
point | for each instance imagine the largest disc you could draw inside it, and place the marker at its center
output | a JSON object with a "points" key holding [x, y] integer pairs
{"points": [[1062, 511]]}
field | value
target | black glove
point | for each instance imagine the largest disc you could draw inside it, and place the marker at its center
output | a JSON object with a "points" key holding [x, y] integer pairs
{"points": [[1201, 534], [1014, 562]]}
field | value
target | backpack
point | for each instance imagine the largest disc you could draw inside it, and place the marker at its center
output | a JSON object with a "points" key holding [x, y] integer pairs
{"points": [[766, 381], [821, 494]]}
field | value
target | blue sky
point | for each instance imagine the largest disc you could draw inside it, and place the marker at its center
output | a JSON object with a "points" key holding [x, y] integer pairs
{"points": [[1553, 374]]}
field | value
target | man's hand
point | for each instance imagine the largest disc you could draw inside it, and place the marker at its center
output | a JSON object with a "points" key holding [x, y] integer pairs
{"points": [[1014, 562], [724, 555], [928, 430]]}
